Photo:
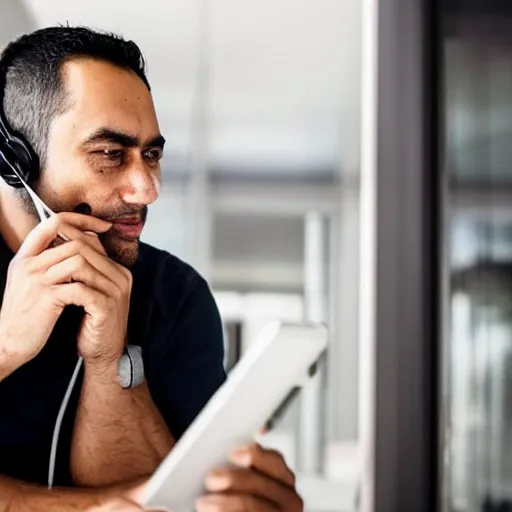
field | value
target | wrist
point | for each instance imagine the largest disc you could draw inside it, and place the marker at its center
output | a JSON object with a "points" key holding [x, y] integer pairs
{"points": [[126, 369], [102, 369], [101, 354], [9, 363]]}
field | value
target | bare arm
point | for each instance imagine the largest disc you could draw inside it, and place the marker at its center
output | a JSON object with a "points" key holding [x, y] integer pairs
{"points": [[16, 496], [37, 290], [119, 433], [7, 365]]}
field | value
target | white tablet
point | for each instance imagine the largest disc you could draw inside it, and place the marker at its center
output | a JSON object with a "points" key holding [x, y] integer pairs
{"points": [[279, 361]]}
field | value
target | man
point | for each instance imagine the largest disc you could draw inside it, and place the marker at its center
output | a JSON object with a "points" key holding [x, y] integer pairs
{"points": [[82, 101]]}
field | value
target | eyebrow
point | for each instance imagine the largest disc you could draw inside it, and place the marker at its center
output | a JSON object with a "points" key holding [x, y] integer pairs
{"points": [[123, 139]]}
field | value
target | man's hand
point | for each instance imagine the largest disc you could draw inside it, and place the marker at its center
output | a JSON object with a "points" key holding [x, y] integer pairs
{"points": [[102, 287], [34, 296], [259, 482]]}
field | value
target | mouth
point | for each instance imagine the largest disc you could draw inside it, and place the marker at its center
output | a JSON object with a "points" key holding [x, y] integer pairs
{"points": [[129, 228]]}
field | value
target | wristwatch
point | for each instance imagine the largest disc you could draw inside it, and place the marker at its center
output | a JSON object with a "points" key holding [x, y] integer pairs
{"points": [[130, 369]]}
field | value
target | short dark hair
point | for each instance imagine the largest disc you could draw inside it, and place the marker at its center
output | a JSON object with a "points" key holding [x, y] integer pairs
{"points": [[34, 87]]}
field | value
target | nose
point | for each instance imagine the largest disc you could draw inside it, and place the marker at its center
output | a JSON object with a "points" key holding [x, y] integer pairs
{"points": [[142, 186]]}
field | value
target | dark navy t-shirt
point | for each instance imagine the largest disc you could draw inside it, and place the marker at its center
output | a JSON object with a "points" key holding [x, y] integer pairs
{"points": [[173, 317]]}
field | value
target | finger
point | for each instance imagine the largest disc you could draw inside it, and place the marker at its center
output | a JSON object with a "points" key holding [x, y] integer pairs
{"points": [[77, 268], [48, 230], [117, 505], [120, 276], [78, 294], [57, 254], [234, 503], [89, 237], [268, 462], [115, 272], [83, 222], [252, 482]]}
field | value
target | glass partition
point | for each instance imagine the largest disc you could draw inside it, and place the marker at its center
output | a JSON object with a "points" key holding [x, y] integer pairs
{"points": [[476, 123]]}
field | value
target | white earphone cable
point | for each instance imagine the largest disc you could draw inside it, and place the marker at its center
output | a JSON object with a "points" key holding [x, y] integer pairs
{"points": [[58, 423]]}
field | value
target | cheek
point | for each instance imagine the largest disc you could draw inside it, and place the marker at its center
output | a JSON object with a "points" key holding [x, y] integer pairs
{"points": [[157, 182], [59, 198], [62, 189]]}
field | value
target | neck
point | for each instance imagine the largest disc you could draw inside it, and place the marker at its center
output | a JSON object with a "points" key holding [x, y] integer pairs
{"points": [[15, 222]]}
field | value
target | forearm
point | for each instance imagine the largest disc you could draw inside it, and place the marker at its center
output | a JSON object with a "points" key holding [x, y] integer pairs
{"points": [[119, 434], [17, 496], [8, 363], [4, 373]]}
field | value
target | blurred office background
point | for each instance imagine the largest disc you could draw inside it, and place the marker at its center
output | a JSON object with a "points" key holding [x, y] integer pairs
{"points": [[268, 108], [476, 117]]}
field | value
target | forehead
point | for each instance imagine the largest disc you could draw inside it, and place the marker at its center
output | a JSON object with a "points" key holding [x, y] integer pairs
{"points": [[103, 95]]}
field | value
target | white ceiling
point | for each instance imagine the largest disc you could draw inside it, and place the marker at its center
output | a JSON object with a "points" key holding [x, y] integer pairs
{"points": [[284, 74]]}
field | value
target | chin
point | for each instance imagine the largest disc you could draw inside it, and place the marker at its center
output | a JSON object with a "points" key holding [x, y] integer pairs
{"points": [[124, 252]]}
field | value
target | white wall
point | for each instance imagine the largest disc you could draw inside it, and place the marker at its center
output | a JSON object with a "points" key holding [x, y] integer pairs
{"points": [[15, 20], [284, 74]]}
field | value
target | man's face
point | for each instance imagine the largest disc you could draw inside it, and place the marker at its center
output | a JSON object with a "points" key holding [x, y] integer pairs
{"points": [[105, 151]]}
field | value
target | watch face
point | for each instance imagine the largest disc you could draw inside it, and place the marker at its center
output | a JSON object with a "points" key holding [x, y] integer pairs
{"points": [[130, 372], [124, 371]]}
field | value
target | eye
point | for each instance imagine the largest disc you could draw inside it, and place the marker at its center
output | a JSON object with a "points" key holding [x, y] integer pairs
{"points": [[153, 155], [113, 154], [109, 157]]}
